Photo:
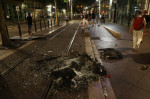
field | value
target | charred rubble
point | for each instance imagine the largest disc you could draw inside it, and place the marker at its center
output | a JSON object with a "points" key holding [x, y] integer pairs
{"points": [[110, 54], [75, 72]]}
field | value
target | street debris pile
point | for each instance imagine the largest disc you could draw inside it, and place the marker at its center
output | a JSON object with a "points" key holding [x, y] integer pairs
{"points": [[110, 54], [75, 72], [144, 67]]}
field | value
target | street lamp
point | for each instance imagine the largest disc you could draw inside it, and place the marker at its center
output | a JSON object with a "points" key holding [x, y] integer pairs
{"points": [[49, 8]]}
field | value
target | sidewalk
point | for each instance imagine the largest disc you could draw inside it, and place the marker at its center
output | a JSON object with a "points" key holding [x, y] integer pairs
{"points": [[4, 52], [127, 78], [14, 31]]}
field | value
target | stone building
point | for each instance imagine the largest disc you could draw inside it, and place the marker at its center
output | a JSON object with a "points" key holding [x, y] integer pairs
{"points": [[25, 6]]}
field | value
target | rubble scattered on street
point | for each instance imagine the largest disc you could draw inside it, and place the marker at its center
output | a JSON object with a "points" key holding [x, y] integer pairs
{"points": [[144, 67], [75, 72], [110, 54]]}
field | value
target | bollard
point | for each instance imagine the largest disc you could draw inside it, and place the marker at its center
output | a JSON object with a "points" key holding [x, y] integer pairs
{"points": [[54, 22], [19, 30], [51, 23], [58, 22], [48, 23], [44, 24], [35, 26], [40, 25], [7, 30]]}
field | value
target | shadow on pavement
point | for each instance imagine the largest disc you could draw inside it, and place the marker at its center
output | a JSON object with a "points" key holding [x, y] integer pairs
{"points": [[143, 58], [126, 39], [124, 49]]}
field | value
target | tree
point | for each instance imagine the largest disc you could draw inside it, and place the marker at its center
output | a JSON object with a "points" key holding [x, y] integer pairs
{"points": [[4, 35], [56, 12]]}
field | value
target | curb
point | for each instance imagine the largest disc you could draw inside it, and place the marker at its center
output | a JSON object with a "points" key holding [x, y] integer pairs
{"points": [[35, 36], [117, 35], [10, 52], [104, 89]]}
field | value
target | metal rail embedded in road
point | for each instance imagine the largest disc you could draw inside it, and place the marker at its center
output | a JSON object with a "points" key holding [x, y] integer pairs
{"points": [[13, 66], [48, 90], [71, 42]]}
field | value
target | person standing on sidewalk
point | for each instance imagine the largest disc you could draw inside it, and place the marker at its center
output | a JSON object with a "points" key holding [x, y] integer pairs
{"points": [[147, 18], [93, 18], [29, 21], [103, 18], [137, 25], [89, 18]]}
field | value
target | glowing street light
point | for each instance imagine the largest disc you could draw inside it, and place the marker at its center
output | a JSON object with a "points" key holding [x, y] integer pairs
{"points": [[49, 8]]}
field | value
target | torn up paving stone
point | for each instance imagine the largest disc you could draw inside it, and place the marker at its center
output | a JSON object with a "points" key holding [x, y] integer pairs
{"points": [[110, 54], [75, 73], [144, 67]]}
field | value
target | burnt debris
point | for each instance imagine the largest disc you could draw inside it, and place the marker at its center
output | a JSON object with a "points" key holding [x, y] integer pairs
{"points": [[110, 54], [76, 72]]}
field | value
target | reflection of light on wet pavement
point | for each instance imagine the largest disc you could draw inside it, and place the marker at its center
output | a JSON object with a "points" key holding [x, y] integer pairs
{"points": [[107, 39]]}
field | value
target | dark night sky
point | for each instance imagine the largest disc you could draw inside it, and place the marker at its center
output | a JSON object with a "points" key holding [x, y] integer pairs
{"points": [[61, 3], [84, 2]]}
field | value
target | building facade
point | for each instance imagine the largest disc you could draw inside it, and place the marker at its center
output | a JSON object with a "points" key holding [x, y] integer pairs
{"points": [[146, 5], [126, 10], [11, 13]]}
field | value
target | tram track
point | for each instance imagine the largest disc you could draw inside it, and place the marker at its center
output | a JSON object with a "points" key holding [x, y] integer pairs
{"points": [[13, 66], [52, 82], [41, 46]]}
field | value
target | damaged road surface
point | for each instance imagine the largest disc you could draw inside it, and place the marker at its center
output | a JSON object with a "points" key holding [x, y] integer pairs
{"points": [[73, 75], [41, 69], [110, 54]]}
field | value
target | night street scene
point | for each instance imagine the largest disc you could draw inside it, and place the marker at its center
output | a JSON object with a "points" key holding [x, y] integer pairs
{"points": [[74, 49]]}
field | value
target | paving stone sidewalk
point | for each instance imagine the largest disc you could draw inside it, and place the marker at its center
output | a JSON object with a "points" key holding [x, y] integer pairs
{"points": [[4, 51], [127, 78]]}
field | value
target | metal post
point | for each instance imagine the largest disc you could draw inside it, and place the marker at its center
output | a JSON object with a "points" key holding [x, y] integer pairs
{"points": [[44, 24], [54, 22], [129, 18], [115, 13], [34, 15], [35, 26], [48, 23], [51, 23], [7, 31], [110, 6], [67, 10], [19, 28], [148, 5], [40, 25]]}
